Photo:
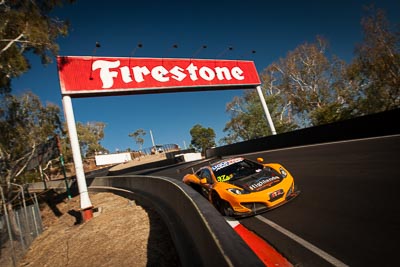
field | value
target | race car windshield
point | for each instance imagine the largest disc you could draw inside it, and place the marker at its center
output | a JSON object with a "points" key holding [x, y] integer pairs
{"points": [[238, 170]]}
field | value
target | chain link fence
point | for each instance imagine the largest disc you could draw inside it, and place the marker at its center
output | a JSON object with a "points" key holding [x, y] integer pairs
{"points": [[20, 224]]}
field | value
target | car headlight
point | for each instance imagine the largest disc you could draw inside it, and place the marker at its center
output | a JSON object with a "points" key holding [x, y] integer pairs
{"points": [[283, 172], [236, 191]]}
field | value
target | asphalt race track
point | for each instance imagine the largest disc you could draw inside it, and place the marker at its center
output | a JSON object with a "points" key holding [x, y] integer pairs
{"points": [[348, 211]]}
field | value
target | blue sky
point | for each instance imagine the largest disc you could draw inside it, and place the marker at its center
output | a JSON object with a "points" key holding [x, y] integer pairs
{"points": [[271, 28]]}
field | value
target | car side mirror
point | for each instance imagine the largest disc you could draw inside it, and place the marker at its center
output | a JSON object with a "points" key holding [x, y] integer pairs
{"points": [[203, 181], [260, 160]]}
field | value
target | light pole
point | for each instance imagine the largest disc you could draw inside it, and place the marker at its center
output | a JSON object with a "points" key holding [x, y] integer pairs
{"points": [[152, 141]]}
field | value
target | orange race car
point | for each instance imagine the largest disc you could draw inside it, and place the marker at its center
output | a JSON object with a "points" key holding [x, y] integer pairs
{"points": [[240, 187]]}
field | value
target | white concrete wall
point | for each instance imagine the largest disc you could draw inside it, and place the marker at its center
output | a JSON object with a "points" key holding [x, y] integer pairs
{"points": [[112, 158]]}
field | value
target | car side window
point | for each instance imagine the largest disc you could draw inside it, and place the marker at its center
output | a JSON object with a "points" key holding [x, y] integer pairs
{"points": [[198, 173], [205, 173]]}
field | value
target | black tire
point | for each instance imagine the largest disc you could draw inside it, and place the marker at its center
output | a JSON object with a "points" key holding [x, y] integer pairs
{"points": [[221, 205]]}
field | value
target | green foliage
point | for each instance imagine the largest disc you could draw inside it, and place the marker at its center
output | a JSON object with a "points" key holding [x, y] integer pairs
{"points": [[89, 136], [138, 137], [330, 112], [24, 124], [308, 81], [375, 72], [248, 119], [202, 138], [26, 27], [309, 87]]}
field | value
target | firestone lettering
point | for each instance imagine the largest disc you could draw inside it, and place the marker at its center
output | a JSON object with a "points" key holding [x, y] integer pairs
{"points": [[109, 70], [105, 73]]}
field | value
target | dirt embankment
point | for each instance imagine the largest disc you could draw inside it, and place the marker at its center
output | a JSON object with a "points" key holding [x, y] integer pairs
{"points": [[122, 233]]}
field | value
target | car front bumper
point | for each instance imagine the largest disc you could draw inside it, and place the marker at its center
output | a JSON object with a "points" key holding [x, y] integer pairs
{"points": [[260, 207]]}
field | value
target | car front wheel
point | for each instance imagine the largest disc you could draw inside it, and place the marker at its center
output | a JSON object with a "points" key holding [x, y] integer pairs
{"points": [[221, 205]]}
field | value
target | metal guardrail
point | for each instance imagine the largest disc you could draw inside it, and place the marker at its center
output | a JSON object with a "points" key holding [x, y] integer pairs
{"points": [[159, 149]]}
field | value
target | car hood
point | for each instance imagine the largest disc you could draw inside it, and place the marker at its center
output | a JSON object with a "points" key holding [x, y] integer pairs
{"points": [[258, 181]]}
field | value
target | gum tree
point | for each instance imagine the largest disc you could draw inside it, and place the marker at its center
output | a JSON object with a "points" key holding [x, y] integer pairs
{"points": [[24, 124], [202, 138], [138, 137], [375, 71], [26, 27]]}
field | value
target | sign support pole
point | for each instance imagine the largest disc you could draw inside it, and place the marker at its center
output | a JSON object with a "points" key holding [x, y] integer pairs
{"points": [[265, 107], [86, 205]]}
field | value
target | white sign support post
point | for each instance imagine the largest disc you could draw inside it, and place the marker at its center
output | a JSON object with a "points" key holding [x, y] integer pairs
{"points": [[86, 205], [265, 107]]}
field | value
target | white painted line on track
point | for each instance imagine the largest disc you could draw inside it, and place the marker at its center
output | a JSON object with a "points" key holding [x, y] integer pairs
{"points": [[303, 242]]}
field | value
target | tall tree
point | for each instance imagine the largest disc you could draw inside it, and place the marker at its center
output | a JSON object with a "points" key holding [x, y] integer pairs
{"points": [[375, 71], [202, 138], [310, 84], [248, 120], [90, 136], [138, 137], [24, 124], [26, 26]]}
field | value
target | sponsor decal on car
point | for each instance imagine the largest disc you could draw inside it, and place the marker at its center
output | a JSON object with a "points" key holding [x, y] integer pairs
{"points": [[264, 182], [224, 164], [224, 177], [276, 194]]}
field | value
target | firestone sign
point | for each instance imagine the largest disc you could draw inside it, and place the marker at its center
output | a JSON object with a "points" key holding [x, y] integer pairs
{"points": [[81, 76], [98, 76]]}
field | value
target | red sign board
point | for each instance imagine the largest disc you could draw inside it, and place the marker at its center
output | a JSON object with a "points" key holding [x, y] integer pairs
{"points": [[83, 76]]}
